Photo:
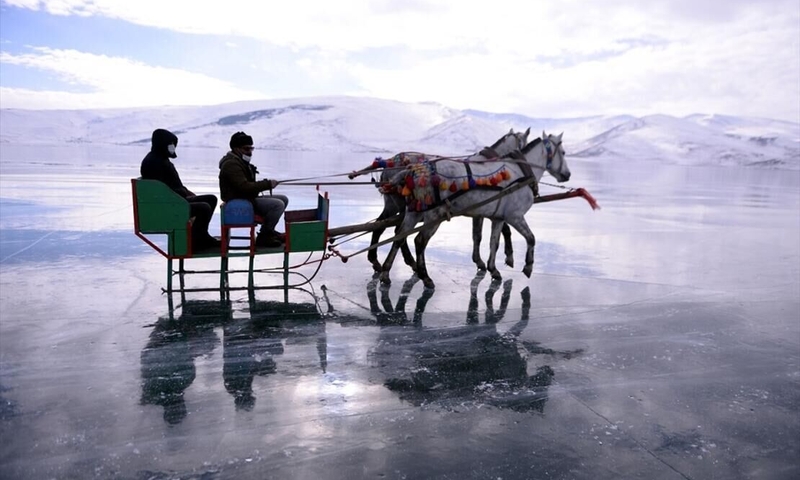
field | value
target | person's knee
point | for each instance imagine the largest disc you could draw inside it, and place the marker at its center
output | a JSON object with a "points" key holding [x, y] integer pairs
{"points": [[201, 209], [270, 205], [209, 199]]}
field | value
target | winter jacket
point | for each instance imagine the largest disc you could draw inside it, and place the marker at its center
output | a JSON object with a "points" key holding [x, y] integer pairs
{"points": [[156, 165], [237, 179]]}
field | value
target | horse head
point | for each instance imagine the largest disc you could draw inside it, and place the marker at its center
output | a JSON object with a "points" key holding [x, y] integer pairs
{"points": [[511, 142], [556, 163]]}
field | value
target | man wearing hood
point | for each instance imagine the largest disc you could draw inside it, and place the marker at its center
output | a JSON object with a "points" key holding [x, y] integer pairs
{"points": [[157, 166], [237, 180]]}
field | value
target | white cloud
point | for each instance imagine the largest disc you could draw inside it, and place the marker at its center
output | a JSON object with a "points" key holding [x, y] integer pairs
{"points": [[574, 26], [572, 57], [115, 82]]}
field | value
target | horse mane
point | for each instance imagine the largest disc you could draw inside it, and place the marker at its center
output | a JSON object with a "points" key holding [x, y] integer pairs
{"points": [[515, 155], [530, 146], [499, 141]]}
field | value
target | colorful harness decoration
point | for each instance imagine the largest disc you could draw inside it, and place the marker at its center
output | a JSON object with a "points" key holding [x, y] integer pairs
{"points": [[423, 185], [402, 159]]}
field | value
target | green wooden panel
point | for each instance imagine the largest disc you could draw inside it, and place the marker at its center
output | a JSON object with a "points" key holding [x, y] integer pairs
{"points": [[160, 209], [178, 243], [306, 236]]}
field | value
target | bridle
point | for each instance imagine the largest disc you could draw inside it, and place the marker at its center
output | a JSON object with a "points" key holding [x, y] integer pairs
{"points": [[551, 148]]}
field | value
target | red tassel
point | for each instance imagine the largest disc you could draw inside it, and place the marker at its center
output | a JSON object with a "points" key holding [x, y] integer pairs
{"points": [[453, 187], [589, 198]]}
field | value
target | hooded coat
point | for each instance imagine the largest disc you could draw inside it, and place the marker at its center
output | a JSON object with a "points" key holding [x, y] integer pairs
{"points": [[157, 165], [237, 179]]}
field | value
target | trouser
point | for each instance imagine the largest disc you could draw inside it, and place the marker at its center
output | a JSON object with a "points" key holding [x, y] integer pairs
{"points": [[270, 208], [201, 207]]}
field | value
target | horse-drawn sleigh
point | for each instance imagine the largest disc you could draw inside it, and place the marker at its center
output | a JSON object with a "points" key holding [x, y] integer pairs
{"points": [[499, 183]]}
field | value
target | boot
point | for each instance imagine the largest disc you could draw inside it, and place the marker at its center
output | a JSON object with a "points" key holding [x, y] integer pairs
{"points": [[268, 240]]}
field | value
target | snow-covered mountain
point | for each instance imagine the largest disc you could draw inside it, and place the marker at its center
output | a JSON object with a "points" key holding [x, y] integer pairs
{"points": [[356, 124], [699, 139]]}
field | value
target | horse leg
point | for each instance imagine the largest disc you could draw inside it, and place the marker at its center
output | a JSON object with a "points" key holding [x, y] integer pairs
{"points": [[421, 242], [509, 246], [520, 225], [477, 232], [372, 255], [390, 209], [408, 224], [494, 242], [407, 257], [399, 206]]}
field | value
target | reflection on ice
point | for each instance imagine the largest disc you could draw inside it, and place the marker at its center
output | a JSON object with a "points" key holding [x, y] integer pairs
{"points": [[168, 358], [454, 366], [250, 347]]}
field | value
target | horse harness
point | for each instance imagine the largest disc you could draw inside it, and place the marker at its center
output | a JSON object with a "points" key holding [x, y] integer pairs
{"points": [[491, 156]]}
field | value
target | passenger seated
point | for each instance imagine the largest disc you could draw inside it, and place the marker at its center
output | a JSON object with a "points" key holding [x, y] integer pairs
{"points": [[237, 180], [156, 165]]}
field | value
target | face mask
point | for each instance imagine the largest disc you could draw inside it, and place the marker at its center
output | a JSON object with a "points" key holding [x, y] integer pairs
{"points": [[246, 158], [171, 149]]}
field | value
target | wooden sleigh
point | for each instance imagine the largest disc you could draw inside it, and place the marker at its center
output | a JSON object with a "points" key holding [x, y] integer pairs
{"points": [[158, 210]]}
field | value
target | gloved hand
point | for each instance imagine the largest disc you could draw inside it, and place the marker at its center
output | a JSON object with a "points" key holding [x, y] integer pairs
{"points": [[267, 184]]}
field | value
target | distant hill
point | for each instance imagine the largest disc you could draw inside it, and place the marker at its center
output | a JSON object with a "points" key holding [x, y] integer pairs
{"points": [[356, 124]]}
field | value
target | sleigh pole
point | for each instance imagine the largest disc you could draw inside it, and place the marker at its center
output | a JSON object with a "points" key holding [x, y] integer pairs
{"points": [[363, 227]]}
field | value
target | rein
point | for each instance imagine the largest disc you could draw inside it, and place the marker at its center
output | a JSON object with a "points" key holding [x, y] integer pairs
{"points": [[463, 159], [295, 180], [293, 183]]}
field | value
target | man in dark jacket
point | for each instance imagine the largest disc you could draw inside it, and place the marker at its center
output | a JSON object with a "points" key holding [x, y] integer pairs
{"points": [[237, 179], [157, 166]]}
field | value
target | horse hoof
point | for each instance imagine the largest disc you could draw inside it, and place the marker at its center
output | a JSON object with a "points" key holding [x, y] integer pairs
{"points": [[527, 270], [376, 268], [496, 275], [481, 266], [510, 262], [428, 283]]}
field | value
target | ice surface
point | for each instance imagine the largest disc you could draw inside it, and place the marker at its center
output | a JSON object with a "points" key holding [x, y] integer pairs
{"points": [[657, 338]]}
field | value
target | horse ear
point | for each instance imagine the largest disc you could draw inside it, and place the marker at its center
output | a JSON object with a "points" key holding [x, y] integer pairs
{"points": [[544, 135], [560, 135], [511, 132], [527, 132]]}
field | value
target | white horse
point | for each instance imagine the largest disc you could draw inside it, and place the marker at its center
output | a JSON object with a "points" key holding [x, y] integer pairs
{"points": [[545, 154], [394, 204]]}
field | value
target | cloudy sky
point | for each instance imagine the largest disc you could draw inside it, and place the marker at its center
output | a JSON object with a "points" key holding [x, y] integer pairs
{"points": [[543, 59]]}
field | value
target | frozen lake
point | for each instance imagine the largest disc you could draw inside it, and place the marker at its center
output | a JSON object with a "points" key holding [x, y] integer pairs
{"points": [[658, 338]]}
